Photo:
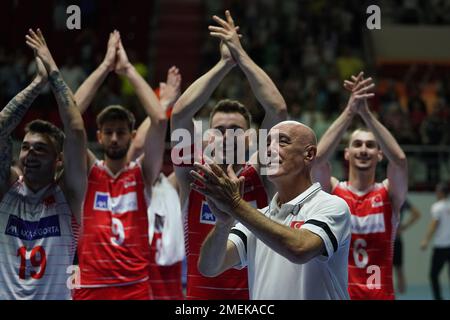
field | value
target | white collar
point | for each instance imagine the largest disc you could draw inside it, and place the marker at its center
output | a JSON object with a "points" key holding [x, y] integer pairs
{"points": [[35, 197], [293, 206]]}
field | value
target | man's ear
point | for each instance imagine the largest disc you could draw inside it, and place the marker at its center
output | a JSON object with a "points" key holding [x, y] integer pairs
{"points": [[60, 160], [380, 156], [346, 154], [133, 134], [99, 136], [310, 153]]}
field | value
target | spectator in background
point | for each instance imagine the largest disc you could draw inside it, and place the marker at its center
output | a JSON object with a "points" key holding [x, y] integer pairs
{"points": [[434, 131], [398, 243], [417, 110], [73, 73], [439, 228], [394, 119], [348, 64]]}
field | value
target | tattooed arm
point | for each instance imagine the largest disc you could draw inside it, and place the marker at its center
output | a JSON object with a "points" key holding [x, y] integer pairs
{"points": [[75, 145], [10, 118]]}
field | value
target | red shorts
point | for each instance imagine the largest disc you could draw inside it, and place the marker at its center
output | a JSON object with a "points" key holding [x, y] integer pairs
{"points": [[137, 291]]}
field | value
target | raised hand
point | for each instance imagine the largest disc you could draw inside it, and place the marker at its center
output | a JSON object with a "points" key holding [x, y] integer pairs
{"points": [[36, 41], [223, 189], [226, 55], [228, 33], [41, 72], [221, 216], [359, 89], [170, 90], [113, 44], [123, 65]]}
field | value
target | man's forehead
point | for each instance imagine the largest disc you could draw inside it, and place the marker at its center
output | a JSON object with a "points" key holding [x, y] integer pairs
{"points": [[36, 137], [233, 119], [285, 129], [362, 136], [115, 124]]}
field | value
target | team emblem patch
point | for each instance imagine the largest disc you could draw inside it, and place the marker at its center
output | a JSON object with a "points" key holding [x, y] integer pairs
{"points": [[297, 224]]}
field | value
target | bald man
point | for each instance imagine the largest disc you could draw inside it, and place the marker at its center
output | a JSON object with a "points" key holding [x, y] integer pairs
{"points": [[297, 247]]}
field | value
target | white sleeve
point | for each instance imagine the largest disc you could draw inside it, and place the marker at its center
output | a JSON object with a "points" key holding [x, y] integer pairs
{"points": [[435, 212], [239, 236], [330, 220]]}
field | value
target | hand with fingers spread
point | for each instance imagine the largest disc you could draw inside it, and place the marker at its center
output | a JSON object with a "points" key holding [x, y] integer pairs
{"points": [[170, 90], [36, 41], [359, 89], [111, 52], [223, 190], [227, 32], [123, 65]]}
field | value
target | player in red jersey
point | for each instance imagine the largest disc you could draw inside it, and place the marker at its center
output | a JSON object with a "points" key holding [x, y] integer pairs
{"points": [[227, 115], [375, 207], [114, 250]]}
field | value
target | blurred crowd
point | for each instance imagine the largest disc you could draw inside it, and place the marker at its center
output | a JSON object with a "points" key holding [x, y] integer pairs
{"points": [[307, 47]]}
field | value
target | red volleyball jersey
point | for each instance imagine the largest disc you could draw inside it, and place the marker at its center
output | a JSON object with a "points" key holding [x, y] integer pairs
{"points": [[371, 249], [199, 221], [164, 280], [114, 247]]}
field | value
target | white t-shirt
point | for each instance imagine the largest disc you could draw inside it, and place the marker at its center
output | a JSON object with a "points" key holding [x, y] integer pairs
{"points": [[274, 277], [440, 211]]}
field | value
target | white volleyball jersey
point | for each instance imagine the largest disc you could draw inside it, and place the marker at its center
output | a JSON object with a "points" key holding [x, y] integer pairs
{"points": [[37, 243]]}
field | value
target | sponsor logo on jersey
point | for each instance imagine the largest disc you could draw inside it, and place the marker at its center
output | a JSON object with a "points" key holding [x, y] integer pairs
{"points": [[117, 205], [253, 203], [128, 184], [372, 223], [32, 230], [206, 216], [297, 224], [377, 201], [101, 201]]}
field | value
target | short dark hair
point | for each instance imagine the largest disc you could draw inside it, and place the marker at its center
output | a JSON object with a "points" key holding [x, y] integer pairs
{"points": [[55, 134], [114, 113], [231, 106], [443, 188]]}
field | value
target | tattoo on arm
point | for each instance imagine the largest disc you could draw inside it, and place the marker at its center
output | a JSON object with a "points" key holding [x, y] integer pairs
{"points": [[5, 160], [16, 109], [62, 92]]}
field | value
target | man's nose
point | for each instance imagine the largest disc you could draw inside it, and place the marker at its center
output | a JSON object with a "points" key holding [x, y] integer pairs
{"points": [[272, 148], [114, 137]]}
